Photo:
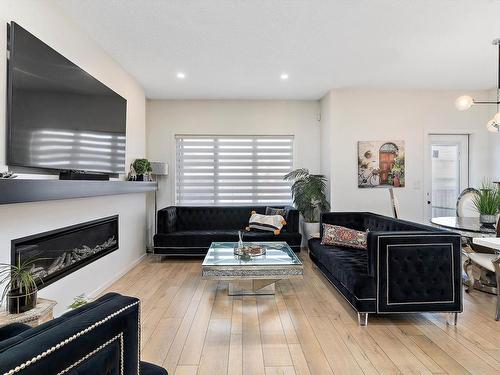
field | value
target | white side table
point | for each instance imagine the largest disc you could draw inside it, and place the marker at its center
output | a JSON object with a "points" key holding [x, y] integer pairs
{"points": [[43, 312]]}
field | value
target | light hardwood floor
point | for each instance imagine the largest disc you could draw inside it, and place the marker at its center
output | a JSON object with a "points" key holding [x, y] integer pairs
{"points": [[191, 326]]}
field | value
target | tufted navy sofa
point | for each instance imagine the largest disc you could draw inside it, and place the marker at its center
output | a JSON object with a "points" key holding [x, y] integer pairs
{"points": [[189, 231], [407, 267], [100, 338]]}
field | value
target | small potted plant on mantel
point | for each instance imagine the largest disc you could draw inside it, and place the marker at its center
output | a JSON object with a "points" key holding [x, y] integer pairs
{"points": [[20, 289], [309, 197], [487, 203], [140, 170]]}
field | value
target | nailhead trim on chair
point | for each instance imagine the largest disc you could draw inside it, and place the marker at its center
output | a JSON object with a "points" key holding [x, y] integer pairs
{"points": [[69, 339], [120, 336], [139, 341]]}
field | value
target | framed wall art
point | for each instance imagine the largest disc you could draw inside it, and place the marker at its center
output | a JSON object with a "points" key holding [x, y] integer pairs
{"points": [[381, 164]]}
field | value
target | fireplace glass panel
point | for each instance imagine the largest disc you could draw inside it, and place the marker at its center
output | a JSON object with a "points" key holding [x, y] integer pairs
{"points": [[60, 252]]}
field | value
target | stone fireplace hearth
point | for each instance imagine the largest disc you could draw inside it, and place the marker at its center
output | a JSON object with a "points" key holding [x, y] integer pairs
{"points": [[60, 252]]}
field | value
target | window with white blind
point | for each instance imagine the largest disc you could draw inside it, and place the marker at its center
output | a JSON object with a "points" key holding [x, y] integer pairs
{"points": [[233, 170]]}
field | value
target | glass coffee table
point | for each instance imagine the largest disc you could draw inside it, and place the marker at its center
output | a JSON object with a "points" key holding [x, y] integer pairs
{"points": [[254, 275]]}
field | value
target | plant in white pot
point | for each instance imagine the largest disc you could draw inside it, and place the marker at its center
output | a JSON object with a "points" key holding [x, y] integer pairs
{"points": [[487, 202], [308, 192]]}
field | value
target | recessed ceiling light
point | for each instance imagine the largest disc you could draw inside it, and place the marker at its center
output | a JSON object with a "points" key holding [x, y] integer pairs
{"points": [[284, 76], [181, 75]]}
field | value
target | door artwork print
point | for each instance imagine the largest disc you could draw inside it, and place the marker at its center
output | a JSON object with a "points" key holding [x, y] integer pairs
{"points": [[381, 164]]}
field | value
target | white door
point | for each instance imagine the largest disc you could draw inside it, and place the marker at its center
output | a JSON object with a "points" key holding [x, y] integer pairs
{"points": [[446, 172]]}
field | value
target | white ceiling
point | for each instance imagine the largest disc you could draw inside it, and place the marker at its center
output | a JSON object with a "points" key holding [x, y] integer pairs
{"points": [[237, 49]]}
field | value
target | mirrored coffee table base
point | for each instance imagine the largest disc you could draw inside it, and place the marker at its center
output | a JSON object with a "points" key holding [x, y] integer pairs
{"points": [[255, 276], [252, 287]]}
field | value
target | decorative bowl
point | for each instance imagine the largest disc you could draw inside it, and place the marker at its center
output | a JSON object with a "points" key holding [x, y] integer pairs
{"points": [[250, 250]]}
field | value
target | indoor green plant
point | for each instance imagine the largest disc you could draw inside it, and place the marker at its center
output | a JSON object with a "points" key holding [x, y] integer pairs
{"points": [[20, 290], [308, 192], [487, 202], [78, 301], [142, 167]]}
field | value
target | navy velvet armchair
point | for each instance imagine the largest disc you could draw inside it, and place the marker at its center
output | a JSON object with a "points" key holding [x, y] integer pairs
{"points": [[102, 337]]}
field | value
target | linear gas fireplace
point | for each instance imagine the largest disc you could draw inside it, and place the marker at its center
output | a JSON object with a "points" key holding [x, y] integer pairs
{"points": [[60, 252]]}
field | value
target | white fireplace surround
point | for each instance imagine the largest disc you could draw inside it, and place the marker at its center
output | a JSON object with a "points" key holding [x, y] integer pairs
{"points": [[45, 20]]}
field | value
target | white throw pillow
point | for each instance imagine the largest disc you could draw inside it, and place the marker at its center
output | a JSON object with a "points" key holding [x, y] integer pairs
{"points": [[271, 223]]}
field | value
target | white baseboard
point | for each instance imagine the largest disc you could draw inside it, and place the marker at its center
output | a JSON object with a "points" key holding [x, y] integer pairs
{"points": [[95, 293]]}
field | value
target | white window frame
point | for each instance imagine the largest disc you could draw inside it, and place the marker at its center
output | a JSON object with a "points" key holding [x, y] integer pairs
{"points": [[255, 167]]}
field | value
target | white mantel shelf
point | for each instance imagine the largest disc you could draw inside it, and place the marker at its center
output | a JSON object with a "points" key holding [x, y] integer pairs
{"points": [[24, 190]]}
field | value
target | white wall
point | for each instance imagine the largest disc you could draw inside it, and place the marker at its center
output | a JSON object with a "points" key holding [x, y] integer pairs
{"points": [[47, 22], [326, 139], [166, 118], [350, 116], [494, 145], [495, 157]]}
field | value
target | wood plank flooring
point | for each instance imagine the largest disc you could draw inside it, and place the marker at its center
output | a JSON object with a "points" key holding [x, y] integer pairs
{"points": [[192, 327]]}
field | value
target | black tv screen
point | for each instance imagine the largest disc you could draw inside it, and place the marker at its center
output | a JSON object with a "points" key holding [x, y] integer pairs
{"points": [[59, 116]]}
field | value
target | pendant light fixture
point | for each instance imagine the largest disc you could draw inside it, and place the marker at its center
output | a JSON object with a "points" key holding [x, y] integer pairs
{"points": [[464, 102]]}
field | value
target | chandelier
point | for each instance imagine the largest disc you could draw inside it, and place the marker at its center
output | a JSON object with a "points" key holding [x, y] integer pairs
{"points": [[464, 102]]}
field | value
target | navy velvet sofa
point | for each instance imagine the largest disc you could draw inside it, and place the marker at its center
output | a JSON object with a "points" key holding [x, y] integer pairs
{"points": [[100, 338], [407, 267], [189, 231]]}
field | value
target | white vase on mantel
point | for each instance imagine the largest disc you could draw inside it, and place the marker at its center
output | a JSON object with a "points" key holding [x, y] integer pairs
{"points": [[310, 230]]}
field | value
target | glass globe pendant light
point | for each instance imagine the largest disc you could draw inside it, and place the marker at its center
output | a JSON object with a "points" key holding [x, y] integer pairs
{"points": [[492, 126], [464, 102]]}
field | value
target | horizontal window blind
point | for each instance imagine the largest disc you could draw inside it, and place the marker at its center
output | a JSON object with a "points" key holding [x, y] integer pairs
{"points": [[233, 170]]}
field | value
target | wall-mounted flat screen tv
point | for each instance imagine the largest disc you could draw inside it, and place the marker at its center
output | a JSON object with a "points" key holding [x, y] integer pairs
{"points": [[59, 116]]}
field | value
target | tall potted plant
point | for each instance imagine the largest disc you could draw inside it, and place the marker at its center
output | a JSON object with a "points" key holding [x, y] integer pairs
{"points": [[308, 192], [487, 203], [20, 289]]}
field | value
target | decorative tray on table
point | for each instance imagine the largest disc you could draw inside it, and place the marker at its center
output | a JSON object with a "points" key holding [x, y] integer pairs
{"points": [[249, 250]]}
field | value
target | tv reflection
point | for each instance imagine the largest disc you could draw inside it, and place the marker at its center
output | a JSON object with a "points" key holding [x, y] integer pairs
{"points": [[81, 150]]}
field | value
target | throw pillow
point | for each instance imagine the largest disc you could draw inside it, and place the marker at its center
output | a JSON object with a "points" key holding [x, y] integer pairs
{"points": [[342, 236], [270, 223], [275, 211]]}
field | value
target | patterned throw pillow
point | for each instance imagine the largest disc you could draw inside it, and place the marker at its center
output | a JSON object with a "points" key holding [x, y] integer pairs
{"points": [[271, 223], [275, 211], [342, 236]]}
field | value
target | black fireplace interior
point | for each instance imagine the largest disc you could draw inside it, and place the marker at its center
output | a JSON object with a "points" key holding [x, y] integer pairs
{"points": [[60, 252]]}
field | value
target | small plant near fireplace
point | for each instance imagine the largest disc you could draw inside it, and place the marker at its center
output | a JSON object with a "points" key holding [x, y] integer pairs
{"points": [[20, 290], [78, 301]]}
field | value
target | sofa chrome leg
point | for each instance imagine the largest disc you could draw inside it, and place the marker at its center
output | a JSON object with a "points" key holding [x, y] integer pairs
{"points": [[469, 285], [363, 319], [452, 319], [496, 264], [497, 316]]}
